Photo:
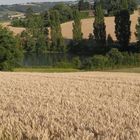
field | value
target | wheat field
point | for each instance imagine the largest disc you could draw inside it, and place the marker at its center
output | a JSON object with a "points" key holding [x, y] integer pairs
{"points": [[69, 106]]}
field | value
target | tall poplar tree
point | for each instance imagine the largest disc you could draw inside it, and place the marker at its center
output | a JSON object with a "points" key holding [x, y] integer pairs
{"points": [[56, 34], [99, 26], [122, 26], [77, 31]]}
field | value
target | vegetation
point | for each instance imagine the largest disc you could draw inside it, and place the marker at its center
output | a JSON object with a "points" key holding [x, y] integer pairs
{"points": [[122, 28], [45, 69], [99, 27], [98, 52], [69, 106], [77, 30], [83, 5], [10, 50], [113, 6], [56, 35]]}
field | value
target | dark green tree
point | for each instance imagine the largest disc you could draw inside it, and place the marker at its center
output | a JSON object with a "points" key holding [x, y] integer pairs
{"points": [[83, 5], [138, 34], [56, 34], [46, 25], [112, 6], [122, 26], [10, 50], [77, 31], [99, 27], [64, 11]]}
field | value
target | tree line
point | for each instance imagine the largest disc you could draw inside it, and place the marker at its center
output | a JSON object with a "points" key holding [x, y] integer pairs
{"points": [[43, 34]]}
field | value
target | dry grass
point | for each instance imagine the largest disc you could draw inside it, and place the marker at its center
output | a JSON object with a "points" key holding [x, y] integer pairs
{"points": [[69, 106]]}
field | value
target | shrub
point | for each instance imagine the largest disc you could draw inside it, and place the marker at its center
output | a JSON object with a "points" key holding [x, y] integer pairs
{"points": [[115, 57], [99, 61], [87, 64], [76, 62]]}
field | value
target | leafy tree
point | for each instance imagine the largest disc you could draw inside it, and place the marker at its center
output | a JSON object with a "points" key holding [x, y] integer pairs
{"points": [[46, 25], [10, 50], [28, 42], [77, 31], [112, 6], [56, 35], [35, 38], [122, 27], [99, 26], [65, 12], [83, 5]]}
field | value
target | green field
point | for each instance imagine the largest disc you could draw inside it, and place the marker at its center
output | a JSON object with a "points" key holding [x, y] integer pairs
{"points": [[44, 69], [49, 70], [129, 70]]}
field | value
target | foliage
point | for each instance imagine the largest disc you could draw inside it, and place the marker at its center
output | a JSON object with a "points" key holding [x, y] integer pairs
{"points": [[19, 23], [113, 59], [110, 41], [99, 26], [113, 6], [83, 5], [87, 63], [56, 35], [122, 28], [65, 12], [115, 56], [76, 62], [99, 62], [77, 31], [138, 34], [35, 38], [10, 50]]}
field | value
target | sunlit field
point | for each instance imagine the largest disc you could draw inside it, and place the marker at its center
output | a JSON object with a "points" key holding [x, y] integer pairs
{"points": [[69, 106]]}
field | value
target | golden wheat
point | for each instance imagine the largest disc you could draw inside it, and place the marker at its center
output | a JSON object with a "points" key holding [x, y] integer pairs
{"points": [[74, 106]]}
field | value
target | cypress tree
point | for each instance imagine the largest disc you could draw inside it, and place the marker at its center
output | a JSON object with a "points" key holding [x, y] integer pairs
{"points": [[99, 26], [77, 31], [122, 26]]}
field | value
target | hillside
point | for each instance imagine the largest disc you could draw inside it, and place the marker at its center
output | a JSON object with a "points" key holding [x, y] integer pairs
{"points": [[6, 10]]}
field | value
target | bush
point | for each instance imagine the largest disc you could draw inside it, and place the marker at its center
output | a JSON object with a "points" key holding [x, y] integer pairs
{"points": [[99, 61], [115, 57], [10, 50], [87, 64], [76, 62]]}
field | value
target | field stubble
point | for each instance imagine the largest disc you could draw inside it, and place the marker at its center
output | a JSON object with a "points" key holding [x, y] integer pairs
{"points": [[74, 106]]}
